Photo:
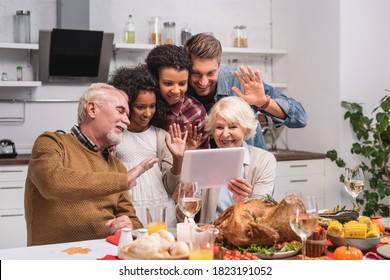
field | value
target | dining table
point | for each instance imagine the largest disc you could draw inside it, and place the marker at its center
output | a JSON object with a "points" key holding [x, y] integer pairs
{"points": [[78, 250], [107, 249]]}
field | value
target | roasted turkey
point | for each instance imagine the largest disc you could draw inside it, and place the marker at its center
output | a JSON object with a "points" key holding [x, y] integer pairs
{"points": [[256, 222]]}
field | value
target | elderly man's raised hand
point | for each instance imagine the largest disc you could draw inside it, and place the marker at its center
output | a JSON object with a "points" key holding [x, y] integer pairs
{"points": [[138, 170]]}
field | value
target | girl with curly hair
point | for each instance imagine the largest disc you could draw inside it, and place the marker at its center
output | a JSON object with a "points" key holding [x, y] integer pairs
{"points": [[143, 139]]}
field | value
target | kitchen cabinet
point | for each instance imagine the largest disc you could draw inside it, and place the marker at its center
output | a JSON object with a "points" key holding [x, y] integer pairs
{"points": [[12, 220], [141, 50], [307, 176]]}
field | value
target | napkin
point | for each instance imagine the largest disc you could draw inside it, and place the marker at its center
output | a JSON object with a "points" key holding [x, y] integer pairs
{"points": [[113, 239]]}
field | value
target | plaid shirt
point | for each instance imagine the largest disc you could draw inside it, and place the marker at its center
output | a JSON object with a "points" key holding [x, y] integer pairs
{"points": [[189, 111], [88, 142]]}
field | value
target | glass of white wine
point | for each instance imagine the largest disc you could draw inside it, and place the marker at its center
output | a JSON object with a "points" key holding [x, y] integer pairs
{"points": [[354, 181], [304, 218], [189, 198]]}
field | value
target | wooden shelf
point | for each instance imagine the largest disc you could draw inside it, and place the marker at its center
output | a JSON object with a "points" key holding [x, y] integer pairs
{"points": [[20, 83]]}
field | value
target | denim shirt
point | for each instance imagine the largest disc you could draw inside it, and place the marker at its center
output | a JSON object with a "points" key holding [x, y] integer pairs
{"points": [[296, 115]]}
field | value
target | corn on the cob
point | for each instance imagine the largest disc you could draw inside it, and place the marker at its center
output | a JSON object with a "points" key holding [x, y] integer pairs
{"points": [[335, 228], [373, 232], [354, 229], [366, 220]]}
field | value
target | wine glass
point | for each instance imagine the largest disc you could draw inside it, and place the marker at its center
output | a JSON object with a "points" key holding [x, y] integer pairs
{"points": [[189, 198], [354, 181], [304, 218]]}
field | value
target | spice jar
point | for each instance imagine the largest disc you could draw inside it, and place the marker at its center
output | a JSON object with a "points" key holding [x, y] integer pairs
{"points": [[22, 32], [169, 35], [4, 76], [155, 27], [19, 73], [240, 38]]}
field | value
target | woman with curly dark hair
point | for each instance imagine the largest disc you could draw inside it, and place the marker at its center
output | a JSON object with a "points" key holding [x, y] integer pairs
{"points": [[142, 140], [170, 66]]}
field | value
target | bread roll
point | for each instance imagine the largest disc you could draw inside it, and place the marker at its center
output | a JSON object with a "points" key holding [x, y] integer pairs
{"points": [[179, 248], [166, 239], [157, 246]]}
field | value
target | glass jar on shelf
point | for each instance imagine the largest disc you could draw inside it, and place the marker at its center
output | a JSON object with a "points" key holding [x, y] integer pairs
{"points": [[169, 34], [130, 31], [155, 28], [185, 34], [22, 25], [4, 76], [19, 73], [240, 39]]}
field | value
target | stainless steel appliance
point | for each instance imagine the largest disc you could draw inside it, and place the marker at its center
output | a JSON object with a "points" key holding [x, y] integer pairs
{"points": [[7, 149]]}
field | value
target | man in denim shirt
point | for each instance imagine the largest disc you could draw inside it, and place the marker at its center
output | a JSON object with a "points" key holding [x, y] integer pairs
{"points": [[209, 82]]}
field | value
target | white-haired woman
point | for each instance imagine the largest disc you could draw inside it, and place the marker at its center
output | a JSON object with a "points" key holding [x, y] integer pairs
{"points": [[230, 122]]}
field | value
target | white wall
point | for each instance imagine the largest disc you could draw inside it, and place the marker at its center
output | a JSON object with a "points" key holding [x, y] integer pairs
{"points": [[337, 50], [110, 16], [364, 63]]}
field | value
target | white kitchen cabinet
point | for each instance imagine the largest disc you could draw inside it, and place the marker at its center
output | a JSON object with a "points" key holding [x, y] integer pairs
{"points": [[12, 220], [307, 176]]}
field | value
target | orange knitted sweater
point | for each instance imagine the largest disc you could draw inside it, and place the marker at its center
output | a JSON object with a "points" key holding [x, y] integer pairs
{"points": [[71, 191]]}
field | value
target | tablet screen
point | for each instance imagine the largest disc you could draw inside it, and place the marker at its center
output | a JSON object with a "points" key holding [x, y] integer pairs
{"points": [[212, 168]]}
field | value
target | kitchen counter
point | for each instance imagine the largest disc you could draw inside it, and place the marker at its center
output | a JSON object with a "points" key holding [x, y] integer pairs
{"points": [[281, 155], [18, 160], [286, 155]]}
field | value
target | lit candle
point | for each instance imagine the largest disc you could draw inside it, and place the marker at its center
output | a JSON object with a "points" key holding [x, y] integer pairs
{"points": [[183, 231]]}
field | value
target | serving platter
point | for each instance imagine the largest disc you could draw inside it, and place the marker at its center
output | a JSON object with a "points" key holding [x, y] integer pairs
{"points": [[384, 251], [279, 255], [386, 222]]}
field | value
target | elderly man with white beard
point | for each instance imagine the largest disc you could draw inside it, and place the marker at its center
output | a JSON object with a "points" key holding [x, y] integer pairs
{"points": [[75, 189]]}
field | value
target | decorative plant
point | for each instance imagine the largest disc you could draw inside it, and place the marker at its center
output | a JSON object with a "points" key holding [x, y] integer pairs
{"points": [[373, 135]]}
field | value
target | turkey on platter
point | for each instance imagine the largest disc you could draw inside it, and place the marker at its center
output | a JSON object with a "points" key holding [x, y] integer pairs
{"points": [[256, 222]]}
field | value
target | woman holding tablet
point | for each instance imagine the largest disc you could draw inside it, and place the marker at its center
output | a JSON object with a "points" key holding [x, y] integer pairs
{"points": [[230, 122]]}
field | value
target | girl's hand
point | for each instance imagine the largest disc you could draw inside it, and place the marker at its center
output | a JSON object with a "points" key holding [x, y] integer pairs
{"points": [[194, 138], [177, 142]]}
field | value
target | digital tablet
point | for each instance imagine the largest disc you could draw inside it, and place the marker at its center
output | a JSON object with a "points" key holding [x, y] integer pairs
{"points": [[212, 168]]}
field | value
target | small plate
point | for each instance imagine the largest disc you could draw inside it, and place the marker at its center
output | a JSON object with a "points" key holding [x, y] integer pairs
{"points": [[135, 232], [384, 251], [280, 255], [386, 222]]}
